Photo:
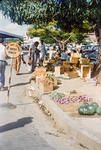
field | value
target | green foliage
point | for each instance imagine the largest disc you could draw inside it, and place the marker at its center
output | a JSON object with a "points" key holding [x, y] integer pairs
{"points": [[51, 33], [28, 11], [68, 15], [43, 11]]}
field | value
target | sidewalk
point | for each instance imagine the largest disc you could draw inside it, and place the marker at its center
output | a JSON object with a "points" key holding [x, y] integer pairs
{"points": [[26, 127], [86, 130]]}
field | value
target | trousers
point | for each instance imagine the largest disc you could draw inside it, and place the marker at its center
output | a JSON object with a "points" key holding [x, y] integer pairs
{"points": [[17, 63], [2, 73], [35, 61]]}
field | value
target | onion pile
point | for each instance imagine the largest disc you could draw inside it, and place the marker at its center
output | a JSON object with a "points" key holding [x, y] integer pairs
{"points": [[73, 99]]}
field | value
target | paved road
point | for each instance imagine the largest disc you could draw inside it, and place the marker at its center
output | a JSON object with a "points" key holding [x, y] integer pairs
{"points": [[26, 127]]}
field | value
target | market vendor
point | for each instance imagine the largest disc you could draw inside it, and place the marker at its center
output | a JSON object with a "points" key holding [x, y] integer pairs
{"points": [[65, 56]]}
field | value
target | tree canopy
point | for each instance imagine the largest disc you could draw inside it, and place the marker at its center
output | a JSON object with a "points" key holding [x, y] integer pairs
{"points": [[51, 33], [68, 13]]}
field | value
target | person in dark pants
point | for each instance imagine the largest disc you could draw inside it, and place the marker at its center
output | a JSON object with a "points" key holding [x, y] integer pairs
{"points": [[2, 64], [35, 55]]}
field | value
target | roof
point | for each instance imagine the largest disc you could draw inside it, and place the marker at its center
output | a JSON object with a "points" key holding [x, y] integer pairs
{"points": [[4, 34]]}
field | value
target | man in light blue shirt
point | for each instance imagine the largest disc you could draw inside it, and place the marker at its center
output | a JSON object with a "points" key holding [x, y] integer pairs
{"points": [[64, 56]]}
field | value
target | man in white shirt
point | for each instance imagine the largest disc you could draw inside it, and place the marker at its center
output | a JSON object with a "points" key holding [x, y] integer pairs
{"points": [[2, 64]]}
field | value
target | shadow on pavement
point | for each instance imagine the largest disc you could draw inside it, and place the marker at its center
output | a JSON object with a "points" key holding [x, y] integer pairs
{"points": [[24, 73], [4, 89], [19, 84], [25, 104], [18, 124]]}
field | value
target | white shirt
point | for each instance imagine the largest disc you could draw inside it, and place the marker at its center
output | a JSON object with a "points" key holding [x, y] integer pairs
{"points": [[51, 53], [2, 52], [42, 50]]}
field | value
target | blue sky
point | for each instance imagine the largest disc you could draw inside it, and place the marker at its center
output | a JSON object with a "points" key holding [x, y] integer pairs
{"points": [[8, 26]]}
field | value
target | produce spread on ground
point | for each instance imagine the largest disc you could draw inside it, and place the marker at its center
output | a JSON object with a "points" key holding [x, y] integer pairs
{"points": [[74, 102], [48, 78]]}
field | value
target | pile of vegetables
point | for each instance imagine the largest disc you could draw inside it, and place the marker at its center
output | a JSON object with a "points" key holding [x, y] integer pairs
{"points": [[56, 95], [73, 99], [89, 109]]}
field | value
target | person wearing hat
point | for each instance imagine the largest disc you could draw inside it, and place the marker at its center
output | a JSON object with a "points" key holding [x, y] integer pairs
{"points": [[2, 64]]}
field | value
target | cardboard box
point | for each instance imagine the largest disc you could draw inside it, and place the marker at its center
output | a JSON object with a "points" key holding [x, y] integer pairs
{"points": [[38, 79], [74, 60], [59, 70], [66, 66], [39, 72], [46, 86], [73, 74]]}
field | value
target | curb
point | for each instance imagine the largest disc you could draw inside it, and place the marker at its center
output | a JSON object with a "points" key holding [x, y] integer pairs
{"points": [[66, 124]]}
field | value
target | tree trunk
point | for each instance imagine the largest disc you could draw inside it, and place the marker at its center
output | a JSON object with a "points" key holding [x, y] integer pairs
{"points": [[97, 66]]}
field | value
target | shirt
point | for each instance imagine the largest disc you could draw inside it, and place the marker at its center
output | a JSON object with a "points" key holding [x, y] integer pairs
{"points": [[51, 53], [33, 48], [42, 49], [2, 52], [64, 56]]}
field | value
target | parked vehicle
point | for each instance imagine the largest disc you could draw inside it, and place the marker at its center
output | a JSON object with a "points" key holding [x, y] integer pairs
{"points": [[90, 51]]}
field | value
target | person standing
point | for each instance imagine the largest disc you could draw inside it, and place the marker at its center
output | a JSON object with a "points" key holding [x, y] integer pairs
{"points": [[2, 64], [64, 55], [34, 55], [42, 51], [17, 61], [17, 64]]}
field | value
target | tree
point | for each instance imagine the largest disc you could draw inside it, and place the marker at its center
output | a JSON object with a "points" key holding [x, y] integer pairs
{"points": [[52, 33], [69, 14]]}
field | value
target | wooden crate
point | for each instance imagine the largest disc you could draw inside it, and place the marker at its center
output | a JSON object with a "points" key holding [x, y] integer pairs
{"points": [[86, 71]]}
